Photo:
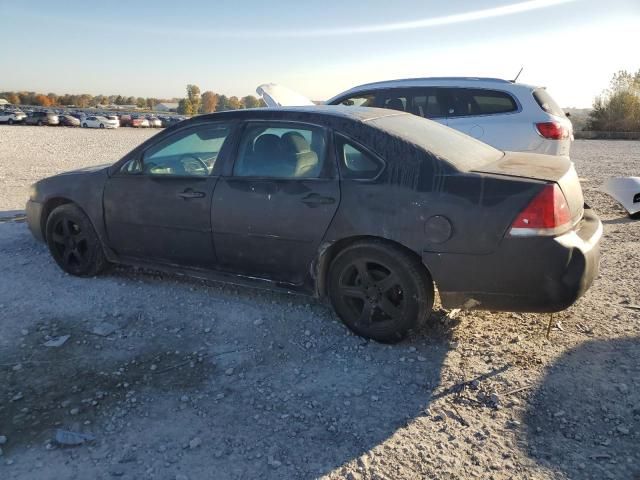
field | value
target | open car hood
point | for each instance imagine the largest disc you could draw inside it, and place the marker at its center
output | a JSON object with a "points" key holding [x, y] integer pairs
{"points": [[275, 95], [625, 190]]}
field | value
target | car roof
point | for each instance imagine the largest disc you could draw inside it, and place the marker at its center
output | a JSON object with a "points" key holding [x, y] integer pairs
{"points": [[468, 82], [361, 114]]}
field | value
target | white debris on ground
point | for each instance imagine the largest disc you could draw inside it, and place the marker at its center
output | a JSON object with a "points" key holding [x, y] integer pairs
{"points": [[165, 377]]}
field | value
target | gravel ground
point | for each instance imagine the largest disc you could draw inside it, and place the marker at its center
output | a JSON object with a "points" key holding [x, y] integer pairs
{"points": [[182, 379]]}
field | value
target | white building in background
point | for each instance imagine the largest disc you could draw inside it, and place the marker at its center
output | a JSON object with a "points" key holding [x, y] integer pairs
{"points": [[166, 107]]}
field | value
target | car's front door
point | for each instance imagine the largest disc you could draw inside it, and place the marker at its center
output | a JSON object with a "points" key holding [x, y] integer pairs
{"points": [[272, 211], [157, 206]]}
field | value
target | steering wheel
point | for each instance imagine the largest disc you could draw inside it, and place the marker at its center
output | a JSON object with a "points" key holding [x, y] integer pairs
{"points": [[201, 169]]}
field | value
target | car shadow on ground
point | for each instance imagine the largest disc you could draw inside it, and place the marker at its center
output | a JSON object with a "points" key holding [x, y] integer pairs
{"points": [[277, 387], [584, 420]]}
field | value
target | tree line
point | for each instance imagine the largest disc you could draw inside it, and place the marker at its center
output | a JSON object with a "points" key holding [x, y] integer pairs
{"points": [[618, 108], [209, 102], [192, 104]]}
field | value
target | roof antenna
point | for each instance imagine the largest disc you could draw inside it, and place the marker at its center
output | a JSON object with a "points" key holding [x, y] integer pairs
{"points": [[515, 79]]}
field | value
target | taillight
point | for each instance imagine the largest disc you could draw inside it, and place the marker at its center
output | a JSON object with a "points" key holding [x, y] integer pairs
{"points": [[547, 214], [552, 130]]}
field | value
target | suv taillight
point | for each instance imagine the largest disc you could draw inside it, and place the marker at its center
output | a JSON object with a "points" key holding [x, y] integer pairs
{"points": [[547, 214], [552, 130]]}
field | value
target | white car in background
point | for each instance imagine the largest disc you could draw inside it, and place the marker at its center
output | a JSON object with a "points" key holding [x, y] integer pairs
{"points": [[97, 121], [507, 115], [12, 116]]}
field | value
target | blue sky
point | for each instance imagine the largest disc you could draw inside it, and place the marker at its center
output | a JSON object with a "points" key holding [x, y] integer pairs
{"points": [[154, 48]]}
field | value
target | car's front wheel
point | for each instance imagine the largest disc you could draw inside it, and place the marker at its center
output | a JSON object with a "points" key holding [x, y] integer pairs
{"points": [[379, 290], [73, 242], [84, 125], [10, 122], [101, 125]]}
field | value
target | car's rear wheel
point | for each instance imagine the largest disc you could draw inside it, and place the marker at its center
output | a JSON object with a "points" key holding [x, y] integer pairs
{"points": [[379, 290], [84, 125], [10, 122], [39, 123], [101, 125], [73, 242]]}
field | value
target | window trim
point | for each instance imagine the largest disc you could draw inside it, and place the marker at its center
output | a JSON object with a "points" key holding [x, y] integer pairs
{"points": [[340, 140], [138, 153], [328, 166], [361, 94]]}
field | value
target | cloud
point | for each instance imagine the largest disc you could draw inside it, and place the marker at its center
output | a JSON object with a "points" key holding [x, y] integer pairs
{"points": [[422, 23]]}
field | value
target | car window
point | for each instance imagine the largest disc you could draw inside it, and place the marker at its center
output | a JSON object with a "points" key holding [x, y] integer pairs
{"points": [[357, 163], [360, 100], [547, 103], [394, 100], [429, 102], [191, 152], [282, 151], [468, 102]]}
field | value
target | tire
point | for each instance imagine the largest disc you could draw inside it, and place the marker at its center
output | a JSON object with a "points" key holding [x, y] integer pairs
{"points": [[84, 125], [101, 125], [10, 122], [73, 242], [379, 290], [39, 123]]}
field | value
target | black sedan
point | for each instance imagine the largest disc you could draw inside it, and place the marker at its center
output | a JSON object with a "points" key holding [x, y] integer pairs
{"points": [[369, 208]]}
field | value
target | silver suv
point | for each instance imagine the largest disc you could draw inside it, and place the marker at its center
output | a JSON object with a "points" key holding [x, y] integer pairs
{"points": [[507, 115]]}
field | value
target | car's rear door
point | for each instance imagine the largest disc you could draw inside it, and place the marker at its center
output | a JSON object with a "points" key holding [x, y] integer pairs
{"points": [[485, 114], [157, 206], [272, 210]]}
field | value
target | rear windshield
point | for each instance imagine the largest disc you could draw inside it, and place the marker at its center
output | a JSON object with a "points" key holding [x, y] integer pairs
{"points": [[460, 150], [547, 103]]}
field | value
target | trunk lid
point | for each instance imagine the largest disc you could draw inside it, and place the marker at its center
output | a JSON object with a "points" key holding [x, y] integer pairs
{"points": [[275, 95], [546, 168]]}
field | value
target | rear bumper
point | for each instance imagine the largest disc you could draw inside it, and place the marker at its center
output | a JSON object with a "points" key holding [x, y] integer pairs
{"points": [[34, 215], [531, 274]]}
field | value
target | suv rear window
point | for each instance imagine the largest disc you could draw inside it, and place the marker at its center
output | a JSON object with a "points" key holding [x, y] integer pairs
{"points": [[547, 103], [468, 102]]}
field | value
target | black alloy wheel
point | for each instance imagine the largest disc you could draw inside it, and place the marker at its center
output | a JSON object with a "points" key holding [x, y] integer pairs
{"points": [[380, 291], [73, 242]]}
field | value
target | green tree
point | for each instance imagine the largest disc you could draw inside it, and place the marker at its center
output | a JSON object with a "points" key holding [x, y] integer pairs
{"points": [[618, 108], [223, 103], [185, 107], [141, 102], [234, 103], [193, 95], [209, 102], [250, 102]]}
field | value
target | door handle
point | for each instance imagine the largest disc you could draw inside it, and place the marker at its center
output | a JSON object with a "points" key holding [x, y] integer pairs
{"points": [[188, 193], [316, 199]]}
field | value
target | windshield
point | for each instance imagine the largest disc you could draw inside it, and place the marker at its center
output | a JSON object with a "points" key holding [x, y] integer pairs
{"points": [[460, 150]]}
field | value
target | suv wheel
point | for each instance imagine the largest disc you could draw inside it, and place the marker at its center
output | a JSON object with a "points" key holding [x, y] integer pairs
{"points": [[379, 291], [73, 242], [40, 123]]}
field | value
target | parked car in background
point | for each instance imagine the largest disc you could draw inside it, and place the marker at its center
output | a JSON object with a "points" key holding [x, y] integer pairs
{"points": [[369, 208], [125, 120], [68, 121], [169, 121], [113, 118], [12, 116], [139, 122], [154, 122], [506, 115], [98, 121], [41, 118]]}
